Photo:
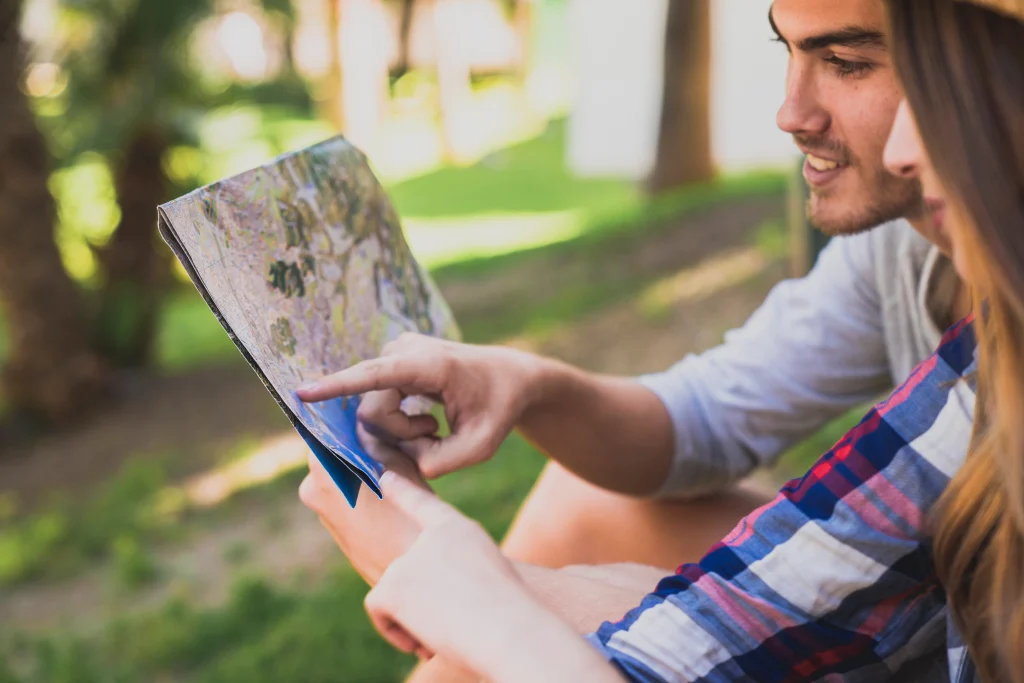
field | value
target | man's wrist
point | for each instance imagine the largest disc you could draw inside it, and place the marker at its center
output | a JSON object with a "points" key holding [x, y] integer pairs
{"points": [[546, 381]]}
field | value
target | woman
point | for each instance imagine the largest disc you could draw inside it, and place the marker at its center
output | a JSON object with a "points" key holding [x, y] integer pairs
{"points": [[837, 578], [965, 82]]}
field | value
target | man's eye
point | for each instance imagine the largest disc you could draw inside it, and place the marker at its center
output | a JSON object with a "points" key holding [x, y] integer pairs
{"points": [[782, 41], [845, 67]]}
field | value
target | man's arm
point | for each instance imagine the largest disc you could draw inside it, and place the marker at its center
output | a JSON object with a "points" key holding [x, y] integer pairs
{"points": [[815, 348]]}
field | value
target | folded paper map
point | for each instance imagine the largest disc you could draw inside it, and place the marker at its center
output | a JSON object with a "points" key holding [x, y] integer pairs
{"points": [[304, 263]]}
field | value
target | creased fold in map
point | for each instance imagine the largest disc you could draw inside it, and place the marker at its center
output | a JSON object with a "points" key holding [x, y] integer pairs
{"points": [[304, 263]]}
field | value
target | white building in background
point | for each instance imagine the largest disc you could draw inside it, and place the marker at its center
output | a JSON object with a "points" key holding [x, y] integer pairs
{"points": [[617, 71]]}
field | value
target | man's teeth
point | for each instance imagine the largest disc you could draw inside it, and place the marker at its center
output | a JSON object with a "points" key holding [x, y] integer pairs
{"points": [[819, 164]]}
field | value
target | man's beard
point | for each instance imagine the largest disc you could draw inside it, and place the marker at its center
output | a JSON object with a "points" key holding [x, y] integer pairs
{"points": [[895, 198], [890, 197]]}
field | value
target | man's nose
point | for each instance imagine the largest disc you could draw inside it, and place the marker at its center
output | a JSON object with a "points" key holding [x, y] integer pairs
{"points": [[802, 113]]}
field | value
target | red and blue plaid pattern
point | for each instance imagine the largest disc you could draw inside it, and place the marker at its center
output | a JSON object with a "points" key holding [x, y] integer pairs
{"points": [[834, 579]]}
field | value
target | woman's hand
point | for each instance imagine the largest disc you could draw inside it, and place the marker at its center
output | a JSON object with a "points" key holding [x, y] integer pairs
{"points": [[375, 532], [454, 594]]}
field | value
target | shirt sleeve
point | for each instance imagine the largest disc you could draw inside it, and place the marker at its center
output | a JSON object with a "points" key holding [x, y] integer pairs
{"points": [[814, 349], [835, 578]]}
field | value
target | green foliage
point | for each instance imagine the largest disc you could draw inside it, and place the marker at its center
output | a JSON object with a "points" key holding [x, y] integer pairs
{"points": [[189, 334], [261, 635], [237, 553], [773, 238], [63, 537], [133, 565]]}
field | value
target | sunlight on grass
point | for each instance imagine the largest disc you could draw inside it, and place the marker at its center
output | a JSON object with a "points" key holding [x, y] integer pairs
{"points": [[529, 177], [266, 462], [439, 241], [703, 280]]}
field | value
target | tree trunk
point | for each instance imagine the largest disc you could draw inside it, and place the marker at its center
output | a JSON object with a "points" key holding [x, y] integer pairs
{"points": [[335, 75], [684, 138], [50, 372], [522, 19], [134, 262], [404, 32], [454, 83]]}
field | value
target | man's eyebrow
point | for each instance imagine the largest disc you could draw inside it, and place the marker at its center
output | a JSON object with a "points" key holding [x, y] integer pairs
{"points": [[848, 36]]}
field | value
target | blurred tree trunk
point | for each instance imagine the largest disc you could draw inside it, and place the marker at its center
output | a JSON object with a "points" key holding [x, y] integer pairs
{"points": [[522, 19], [51, 372], [134, 263], [454, 82], [335, 73], [684, 138], [404, 31], [364, 65]]}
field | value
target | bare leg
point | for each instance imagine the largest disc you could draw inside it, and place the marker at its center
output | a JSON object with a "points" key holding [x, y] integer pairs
{"points": [[566, 521]]}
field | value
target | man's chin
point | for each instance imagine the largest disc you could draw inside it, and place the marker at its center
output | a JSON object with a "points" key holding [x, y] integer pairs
{"points": [[839, 221], [837, 218], [852, 206]]}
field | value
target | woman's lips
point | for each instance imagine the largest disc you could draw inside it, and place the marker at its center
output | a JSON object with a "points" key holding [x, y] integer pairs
{"points": [[936, 212]]}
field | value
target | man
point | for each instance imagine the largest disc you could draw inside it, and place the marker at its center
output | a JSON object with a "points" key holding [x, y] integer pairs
{"points": [[629, 454]]}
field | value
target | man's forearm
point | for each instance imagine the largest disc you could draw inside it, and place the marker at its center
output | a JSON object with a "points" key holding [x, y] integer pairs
{"points": [[587, 596], [611, 431]]}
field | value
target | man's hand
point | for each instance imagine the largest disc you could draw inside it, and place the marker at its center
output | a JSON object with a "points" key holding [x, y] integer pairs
{"points": [[484, 391], [375, 532]]}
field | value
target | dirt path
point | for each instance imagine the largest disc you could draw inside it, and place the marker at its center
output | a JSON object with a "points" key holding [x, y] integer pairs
{"points": [[716, 290]]}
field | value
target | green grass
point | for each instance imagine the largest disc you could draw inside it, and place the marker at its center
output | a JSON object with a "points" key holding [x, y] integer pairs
{"points": [[530, 177], [604, 232], [264, 633], [65, 536]]}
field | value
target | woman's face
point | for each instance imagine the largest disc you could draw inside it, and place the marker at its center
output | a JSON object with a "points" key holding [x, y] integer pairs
{"points": [[906, 157]]}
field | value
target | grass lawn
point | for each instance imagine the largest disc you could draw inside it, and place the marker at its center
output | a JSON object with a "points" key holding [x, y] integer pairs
{"points": [[264, 633]]}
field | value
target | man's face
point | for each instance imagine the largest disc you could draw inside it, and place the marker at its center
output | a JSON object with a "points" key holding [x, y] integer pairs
{"points": [[841, 99]]}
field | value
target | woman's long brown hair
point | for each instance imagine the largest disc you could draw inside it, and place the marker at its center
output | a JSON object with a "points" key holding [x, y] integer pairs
{"points": [[963, 71]]}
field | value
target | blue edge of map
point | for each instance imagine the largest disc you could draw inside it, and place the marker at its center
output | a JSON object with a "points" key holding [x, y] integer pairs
{"points": [[338, 449]]}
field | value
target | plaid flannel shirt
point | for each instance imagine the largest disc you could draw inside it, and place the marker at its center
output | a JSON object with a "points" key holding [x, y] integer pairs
{"points": [[834, 580]]}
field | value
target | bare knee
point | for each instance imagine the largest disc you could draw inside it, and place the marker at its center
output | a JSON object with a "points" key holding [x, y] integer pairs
{"points": [[558, 522], [567, 521]]}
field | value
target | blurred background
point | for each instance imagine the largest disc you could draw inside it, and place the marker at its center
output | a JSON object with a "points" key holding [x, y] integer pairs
{"points": [[598, 180]]}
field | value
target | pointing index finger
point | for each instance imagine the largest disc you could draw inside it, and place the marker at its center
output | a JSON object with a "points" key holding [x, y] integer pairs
{"points": [[410, 374]]}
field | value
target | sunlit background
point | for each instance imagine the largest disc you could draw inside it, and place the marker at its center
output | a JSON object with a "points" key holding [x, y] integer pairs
{"points": [[149, 527]]}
